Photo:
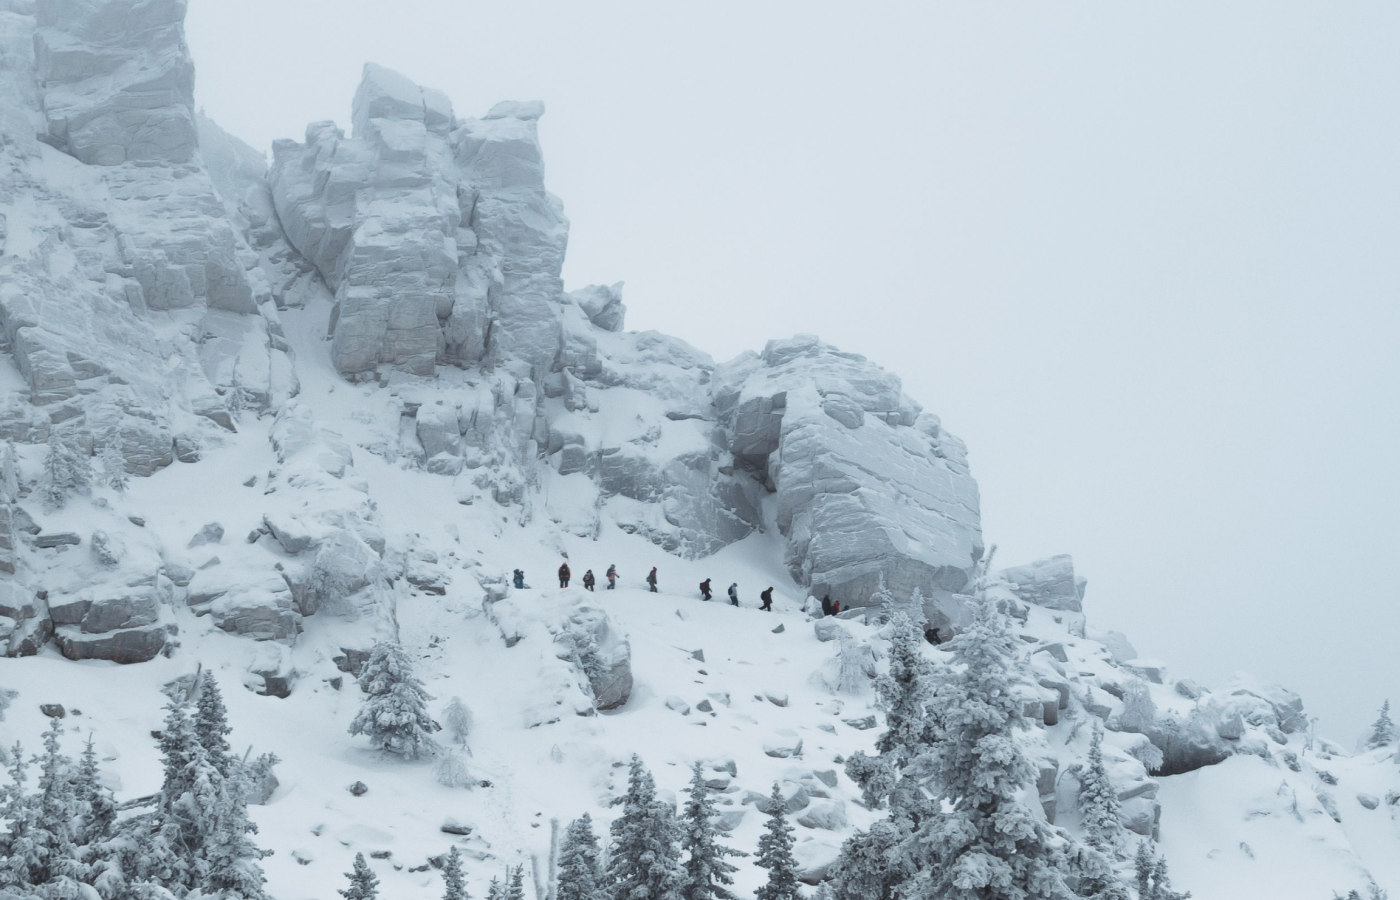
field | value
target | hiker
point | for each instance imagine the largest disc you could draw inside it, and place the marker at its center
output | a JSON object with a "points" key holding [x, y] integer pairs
{"points": [[826, 605], [651, 579], [564, 575], [767, 597], [612, 577], [931, 635], [836, 607], [519, 579], [588, 580], [734, 594], [705, 589]]}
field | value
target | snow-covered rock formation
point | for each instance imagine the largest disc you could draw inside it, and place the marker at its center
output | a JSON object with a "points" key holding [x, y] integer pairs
{"points": [[264, 417]]}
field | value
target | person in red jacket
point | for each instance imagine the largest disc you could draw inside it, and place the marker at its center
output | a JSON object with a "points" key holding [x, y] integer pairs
{"points": [[564, 575]]}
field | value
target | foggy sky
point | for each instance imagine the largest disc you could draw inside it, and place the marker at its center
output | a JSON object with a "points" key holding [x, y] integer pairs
{"points": [[1146, 262]]}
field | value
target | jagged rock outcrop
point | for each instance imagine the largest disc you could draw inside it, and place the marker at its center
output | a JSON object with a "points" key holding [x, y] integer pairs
{"points": [[867, 484], [1050, 583]]}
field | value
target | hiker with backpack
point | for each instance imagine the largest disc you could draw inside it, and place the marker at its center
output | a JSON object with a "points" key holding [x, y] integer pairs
{"points": [[767, 597], [651, 579], [612, 577], [519, 579], [564, 575], [734, 594], [705, 589], [588, 580]]}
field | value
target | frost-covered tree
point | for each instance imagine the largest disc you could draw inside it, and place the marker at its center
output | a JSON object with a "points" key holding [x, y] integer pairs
{"points": [[62, 473], [458, 721], [113, 462], [1139, 711], [1097, 879], [515, 883], [775, 853], [644, 862], [20, 854], [211, 725], [903, 693], [394, 714], [364, 885], [9, 474], [97, 808], [451, 770], [56, 809], [1098, 801], [708, 873], [882, 600], [852, 659], [957, 828], [1152, 880], [1383, 731], [494, 890], [580, 875], [454, 882]]}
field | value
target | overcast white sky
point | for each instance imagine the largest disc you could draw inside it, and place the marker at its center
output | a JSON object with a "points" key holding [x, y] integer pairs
{"points": [[1145, 261]]}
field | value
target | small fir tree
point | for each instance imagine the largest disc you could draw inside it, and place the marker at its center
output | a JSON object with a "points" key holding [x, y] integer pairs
{"points": [[775, 853], [458, 721], [211, 725], [708, 874], [454, 882], [451, 770], [394, 714], [363, 883], [644, 863], [96, 806], [1098, 801], [494, 890], [58, 478], [113, 462], [1139, 711], [580, 877], [9, 474], [515, 883], [1383, 731]]}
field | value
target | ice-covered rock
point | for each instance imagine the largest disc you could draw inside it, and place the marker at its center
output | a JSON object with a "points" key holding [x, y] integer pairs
{"points": [[1050, 583], [887, 495]]}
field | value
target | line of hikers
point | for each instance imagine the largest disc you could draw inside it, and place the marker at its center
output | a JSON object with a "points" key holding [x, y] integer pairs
{"points": [[566, 575]]}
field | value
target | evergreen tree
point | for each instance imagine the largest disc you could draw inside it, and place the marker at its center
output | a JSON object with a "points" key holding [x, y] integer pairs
{"points": [[56, 807], [515, 883], [1098, 801], [1383, 731], [1143, 863], [394, 714], [644, 863], [113, 462], [458, 720], [363, 883], [454, 882], [211, 725], [451, 770], [707, 873], [1161, 884], [20, 854], [903, 694], [883, 601], [9, 474], [59, 477], [580, 877], [494, 891], [775, 854], [1139, 711], [97, 809], [1097, 880]]}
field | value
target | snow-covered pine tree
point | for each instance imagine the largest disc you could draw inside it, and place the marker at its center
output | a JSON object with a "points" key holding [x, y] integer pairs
{"points": [[707, 872], [1162, 885], [515, 883], [9, 474], [19, 853], [211, 725], [59, 477], [775, 853], [96, 807], [883, 601], [451, 770], [1383, 731], [644, 863], [1139, 711], [494, 891], [236, 397], [394, 713], [363, 883], [580, 877], [903, 693], [113, 462], [1098, 801], [454, 882], [56, 808], [1143, 862], [851, 662], [1097, 879], [458, 721], [976, 839]]}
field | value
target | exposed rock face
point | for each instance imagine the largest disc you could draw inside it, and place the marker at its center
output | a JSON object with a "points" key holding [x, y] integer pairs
{"points": [[1050, 583], [118, 83], [866, 483]]}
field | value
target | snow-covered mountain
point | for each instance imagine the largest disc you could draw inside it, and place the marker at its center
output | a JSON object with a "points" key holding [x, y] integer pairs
{"points": [[349, 395]]}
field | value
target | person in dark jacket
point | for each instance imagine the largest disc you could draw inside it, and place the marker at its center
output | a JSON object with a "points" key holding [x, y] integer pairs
{"points": [[767, 598], [588, 581], [931, 635], [651, 579], [612, 577], [734, 594], [564, 575], [826, 605], [519, 579], [705, 589]]}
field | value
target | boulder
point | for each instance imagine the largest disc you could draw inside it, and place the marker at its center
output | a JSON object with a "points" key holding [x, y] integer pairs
{"points": [[128, 645], [828, 815], [828, 629], [782, 744], [1050, 583]]}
